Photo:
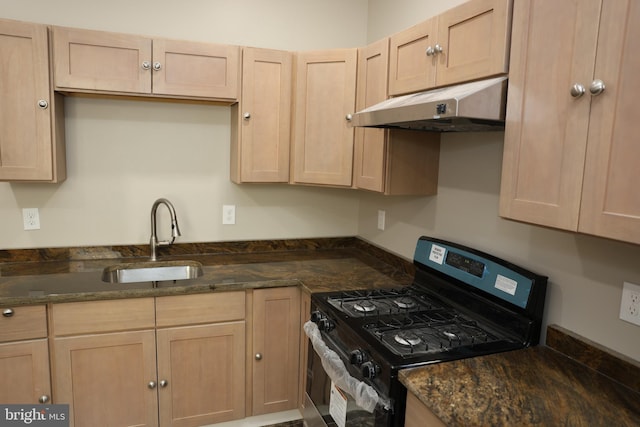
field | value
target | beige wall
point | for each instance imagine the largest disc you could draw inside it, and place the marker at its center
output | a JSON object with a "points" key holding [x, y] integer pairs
{"points": [[124, 154]]}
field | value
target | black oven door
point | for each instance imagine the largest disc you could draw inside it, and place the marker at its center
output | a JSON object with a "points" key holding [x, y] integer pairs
{"points": [[327, 405]]}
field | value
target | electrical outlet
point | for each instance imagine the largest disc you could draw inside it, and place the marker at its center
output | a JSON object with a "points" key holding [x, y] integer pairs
{"points": [[381, 220], [229, 214], [31, 218], [630, 305]]}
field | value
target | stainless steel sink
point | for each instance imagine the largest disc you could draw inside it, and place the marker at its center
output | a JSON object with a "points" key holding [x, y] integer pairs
{"points": [[152, 271]]}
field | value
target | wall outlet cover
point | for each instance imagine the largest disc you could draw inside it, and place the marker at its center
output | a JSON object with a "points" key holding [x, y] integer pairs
{"points": [[630, 305], [228, 214], [31, 218]]}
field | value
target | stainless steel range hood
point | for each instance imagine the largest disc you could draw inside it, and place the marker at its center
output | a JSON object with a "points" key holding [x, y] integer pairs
{"points": [[469, 107]]}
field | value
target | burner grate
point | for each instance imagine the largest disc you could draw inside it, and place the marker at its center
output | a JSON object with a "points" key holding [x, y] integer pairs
{"points": [[380, 302], [428, 332]]}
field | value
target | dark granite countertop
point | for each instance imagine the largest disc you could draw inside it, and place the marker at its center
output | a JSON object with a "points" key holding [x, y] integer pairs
{"points": [[568, 382], [75, 274]]}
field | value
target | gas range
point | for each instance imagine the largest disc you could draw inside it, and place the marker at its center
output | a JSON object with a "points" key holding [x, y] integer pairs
{"points": [[462, 303]]}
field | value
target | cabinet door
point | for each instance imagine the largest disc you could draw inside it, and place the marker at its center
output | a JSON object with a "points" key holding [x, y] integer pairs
{"points": [[610, 197], [192, 69], [475, 41], [261, 125], [109, 377], [24, 372], [325, 96], [305, 315], [31, 141], [101, 61], [276, 347], [553, 47], [370, 143], [410, 68], [418, 415], [201, 374]]}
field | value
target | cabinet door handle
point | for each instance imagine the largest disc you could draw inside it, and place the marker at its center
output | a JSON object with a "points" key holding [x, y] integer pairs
{"points": [[430, 51], [157, 66], [437, 49], [8, 312], [349, 117], [246, 116], [258, 356], [43, 104], [597, 87], [164, 383], [43, 399], [577, 90], [151, 385], [146, 65]]}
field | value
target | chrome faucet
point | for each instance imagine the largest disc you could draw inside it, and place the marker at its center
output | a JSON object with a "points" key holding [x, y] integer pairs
{"points": [[175, 230]]}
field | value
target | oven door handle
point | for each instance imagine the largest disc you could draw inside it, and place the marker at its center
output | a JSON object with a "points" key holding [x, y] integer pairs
{"points": [[365, 396]]}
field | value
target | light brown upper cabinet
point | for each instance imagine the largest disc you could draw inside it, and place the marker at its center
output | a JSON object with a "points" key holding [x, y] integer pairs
{"points": [[261, 121], [103, 62], [325, 98], [393, 162], [32, 122], [571, 154], [468, 42]]}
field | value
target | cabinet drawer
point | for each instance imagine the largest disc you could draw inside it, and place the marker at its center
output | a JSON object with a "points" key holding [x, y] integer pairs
{"points": [[25, 323], [102, 316], [194, 309]]}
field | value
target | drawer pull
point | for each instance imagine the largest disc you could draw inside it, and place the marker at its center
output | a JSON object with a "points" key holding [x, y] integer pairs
{"points": [[8, 312]]}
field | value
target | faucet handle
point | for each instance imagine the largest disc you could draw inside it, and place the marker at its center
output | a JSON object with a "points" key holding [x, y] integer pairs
{"points": [[175, 229]]}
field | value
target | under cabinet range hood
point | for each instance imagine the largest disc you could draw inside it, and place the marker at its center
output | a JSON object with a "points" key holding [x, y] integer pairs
{"points": [[468, 107]]}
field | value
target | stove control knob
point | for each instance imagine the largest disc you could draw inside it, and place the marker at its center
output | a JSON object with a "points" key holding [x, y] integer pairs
{"points": [[316, 316], [370, 370], [358, 357], [325, 325]]}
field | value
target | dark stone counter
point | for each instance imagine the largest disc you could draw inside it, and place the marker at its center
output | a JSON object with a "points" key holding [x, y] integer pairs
{"points": [[570, 382], [539, 386], [319, 265]]}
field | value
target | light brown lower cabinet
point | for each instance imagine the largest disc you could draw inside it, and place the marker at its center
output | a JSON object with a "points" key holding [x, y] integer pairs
{"points": [[168, 361], [275, 349], [305, 314], [201, 374], [24, 372], [24, 356], [418, 415], [107, 377]]}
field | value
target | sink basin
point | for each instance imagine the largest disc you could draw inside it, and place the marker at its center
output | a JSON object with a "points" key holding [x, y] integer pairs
{"points": [[152, 271]]}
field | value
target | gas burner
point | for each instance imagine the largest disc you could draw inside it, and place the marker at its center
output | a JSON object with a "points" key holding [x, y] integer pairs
{"points": [[365, 306], [405, 303], [408, 339], [450, 335]]}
